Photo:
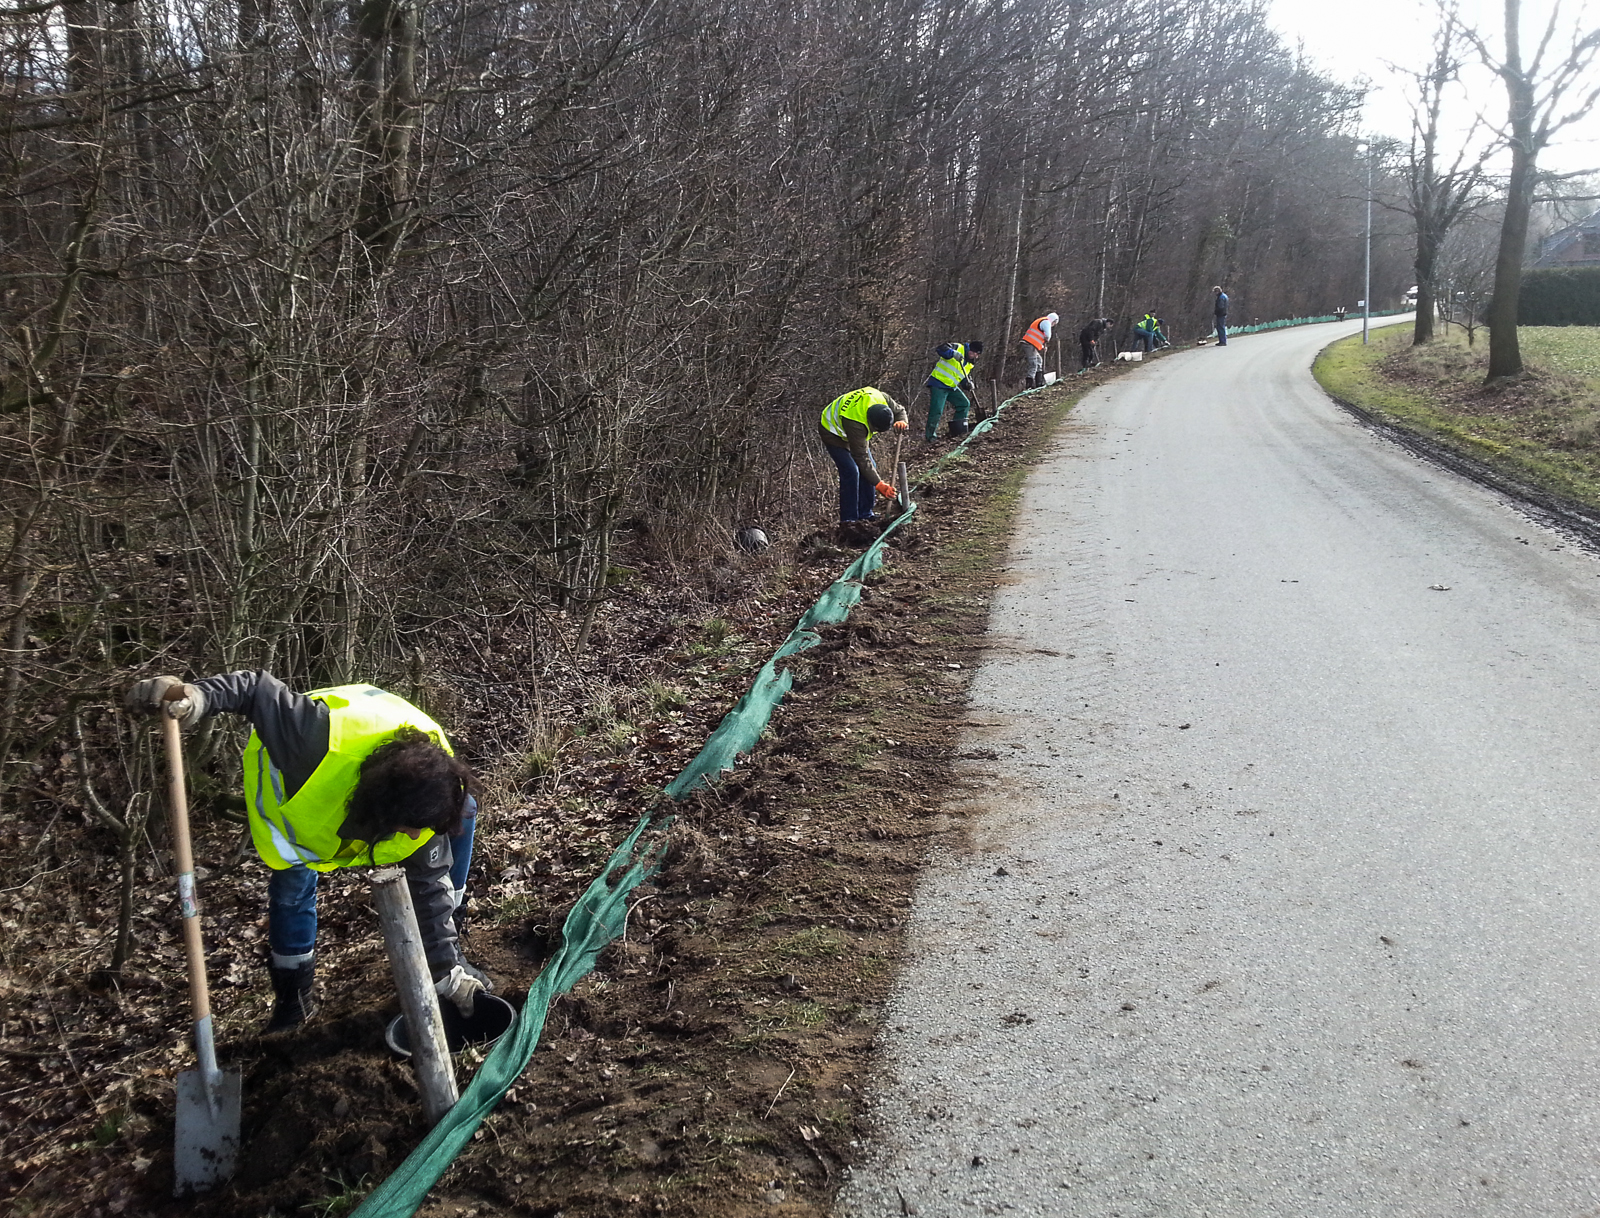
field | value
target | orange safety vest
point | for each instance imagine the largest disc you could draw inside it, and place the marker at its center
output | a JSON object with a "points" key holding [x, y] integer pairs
{"points": [[1035, 335]]}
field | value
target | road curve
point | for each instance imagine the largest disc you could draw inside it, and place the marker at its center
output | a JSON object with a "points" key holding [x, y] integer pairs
{"points": [[1281, 892]]}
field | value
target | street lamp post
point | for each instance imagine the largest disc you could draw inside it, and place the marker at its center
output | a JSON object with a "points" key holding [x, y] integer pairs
{"points": [[1366, 283]]}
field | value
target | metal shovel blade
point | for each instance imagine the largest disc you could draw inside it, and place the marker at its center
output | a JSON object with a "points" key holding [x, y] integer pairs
{"points": [[206, 1141]]}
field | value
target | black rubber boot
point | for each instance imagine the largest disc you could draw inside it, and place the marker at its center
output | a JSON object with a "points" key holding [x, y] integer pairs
{"points": [[295, 1003]]}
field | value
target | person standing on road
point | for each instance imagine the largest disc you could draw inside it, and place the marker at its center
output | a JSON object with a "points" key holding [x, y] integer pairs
{"points": [[348, 776], [950, 383], [1219, 315], [1089, 342], [1034, 341], [847, 426]]}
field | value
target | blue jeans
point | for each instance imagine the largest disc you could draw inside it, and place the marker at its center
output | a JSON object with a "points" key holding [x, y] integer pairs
{"points": [[292, 898], [858, 488], [1222, 331]]}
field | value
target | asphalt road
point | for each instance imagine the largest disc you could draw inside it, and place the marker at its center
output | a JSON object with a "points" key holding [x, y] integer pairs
{"points": [[1281, 896]]}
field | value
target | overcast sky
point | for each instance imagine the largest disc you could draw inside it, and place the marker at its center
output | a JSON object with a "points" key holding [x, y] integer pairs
{"points": [[1353, 38]]}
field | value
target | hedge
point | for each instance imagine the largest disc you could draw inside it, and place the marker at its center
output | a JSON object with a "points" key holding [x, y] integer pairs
{"points": [[1560, 296]]}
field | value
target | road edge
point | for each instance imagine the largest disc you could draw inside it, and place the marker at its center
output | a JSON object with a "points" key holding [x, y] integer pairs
{"points": [[1578, 520]]}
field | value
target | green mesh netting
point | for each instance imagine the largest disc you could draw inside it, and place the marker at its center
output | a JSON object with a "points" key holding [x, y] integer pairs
{"points": [[742, 726], [1309, 321], [594, 922], [600, 913]]}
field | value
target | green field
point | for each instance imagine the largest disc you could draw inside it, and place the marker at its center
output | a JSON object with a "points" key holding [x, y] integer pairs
{"points": [[1564, 350], [1543, 428]]}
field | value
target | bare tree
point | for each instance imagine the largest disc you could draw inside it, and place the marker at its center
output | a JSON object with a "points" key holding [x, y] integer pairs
{"points": [[1539, 108], [1439, 194], [336, 334], [1465, 271]]}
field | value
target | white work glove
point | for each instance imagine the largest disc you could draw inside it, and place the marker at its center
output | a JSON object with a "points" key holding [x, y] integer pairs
{"points": [[150, 697], [461, 988]]}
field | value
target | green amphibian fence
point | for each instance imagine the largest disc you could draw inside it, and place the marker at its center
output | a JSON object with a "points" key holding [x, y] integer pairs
{"points": [[1308, 321], [600, 913]]}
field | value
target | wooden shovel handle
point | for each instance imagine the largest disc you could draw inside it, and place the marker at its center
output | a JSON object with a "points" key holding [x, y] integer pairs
{"points": [[183, 857]]}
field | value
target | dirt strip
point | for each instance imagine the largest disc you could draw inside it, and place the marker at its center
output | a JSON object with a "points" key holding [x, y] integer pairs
{"points": [[714, 1062]]}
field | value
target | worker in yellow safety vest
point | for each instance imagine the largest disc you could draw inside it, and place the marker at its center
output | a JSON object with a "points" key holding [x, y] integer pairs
{"points": [[1148, 333], [342, 777], [950, 377], [847, 426], [1034, 341]]}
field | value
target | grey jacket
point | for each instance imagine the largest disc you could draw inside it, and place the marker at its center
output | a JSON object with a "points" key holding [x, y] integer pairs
{"points": [[294, 730]]}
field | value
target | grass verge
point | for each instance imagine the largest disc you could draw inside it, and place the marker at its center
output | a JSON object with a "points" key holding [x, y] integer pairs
{"points": [[1542, 429]]}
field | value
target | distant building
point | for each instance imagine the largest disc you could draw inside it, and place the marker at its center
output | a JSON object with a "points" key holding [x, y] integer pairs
{"points": [[1576, 245]]}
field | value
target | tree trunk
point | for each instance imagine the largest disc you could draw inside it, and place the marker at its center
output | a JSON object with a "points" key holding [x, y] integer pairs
{"points": [[385, 73], [1427, 258], [1505, 354]]}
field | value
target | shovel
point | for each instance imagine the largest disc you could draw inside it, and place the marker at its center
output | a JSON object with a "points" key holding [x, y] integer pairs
{"points": [[902, 480], [206, 1140]]}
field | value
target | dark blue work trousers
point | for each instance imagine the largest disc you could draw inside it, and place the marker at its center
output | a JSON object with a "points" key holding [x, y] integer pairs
{"points": [[292, 897], [858, 488]]}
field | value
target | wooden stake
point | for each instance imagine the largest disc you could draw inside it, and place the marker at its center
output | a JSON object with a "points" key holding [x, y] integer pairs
{"points": [[430, 1054]]}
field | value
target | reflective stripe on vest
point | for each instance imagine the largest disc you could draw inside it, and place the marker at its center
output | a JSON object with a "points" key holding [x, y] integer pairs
{"points": [[1035, 335], [304, 828], [953, 371], [853, 405]]}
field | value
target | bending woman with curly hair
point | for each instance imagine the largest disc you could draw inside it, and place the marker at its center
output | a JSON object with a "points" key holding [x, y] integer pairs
{"points": [[342, 777]]}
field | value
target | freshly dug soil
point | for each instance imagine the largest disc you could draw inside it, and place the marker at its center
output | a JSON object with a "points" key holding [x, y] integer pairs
{"points": [[714, 1062]]}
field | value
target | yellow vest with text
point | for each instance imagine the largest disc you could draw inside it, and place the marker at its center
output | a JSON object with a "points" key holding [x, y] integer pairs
{"points": [[304, 828], [854, 406]]}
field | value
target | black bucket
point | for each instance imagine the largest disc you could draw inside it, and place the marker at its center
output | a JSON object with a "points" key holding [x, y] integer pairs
{"points": [[491, 1019]]}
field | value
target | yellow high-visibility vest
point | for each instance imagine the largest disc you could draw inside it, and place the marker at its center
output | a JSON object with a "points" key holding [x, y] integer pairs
{"points": [[954, 370], [853, 405], [304, 828]]}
